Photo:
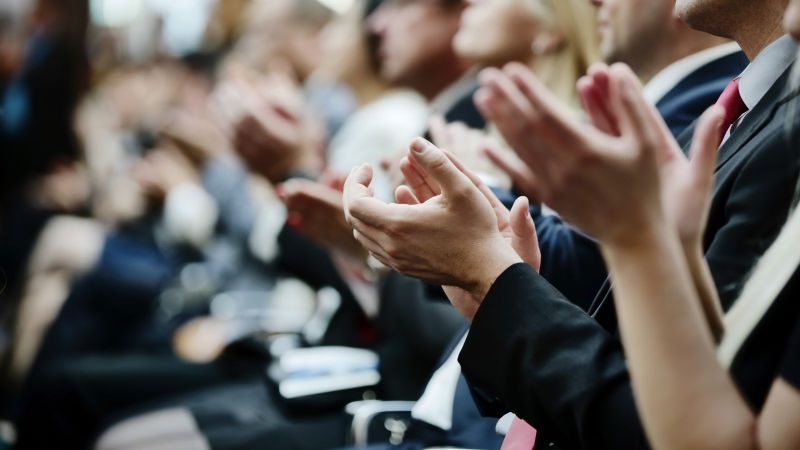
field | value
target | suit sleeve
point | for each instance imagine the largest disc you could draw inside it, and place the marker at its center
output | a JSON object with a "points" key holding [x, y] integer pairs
{"points": [[551, 364], [571, 260]]}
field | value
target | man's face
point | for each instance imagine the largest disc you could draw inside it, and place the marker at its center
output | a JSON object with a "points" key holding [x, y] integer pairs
{"points": [[628, 28], [413, 35]]}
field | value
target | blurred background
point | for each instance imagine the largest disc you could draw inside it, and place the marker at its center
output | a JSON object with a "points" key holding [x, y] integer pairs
{"points": [[175, 270]]}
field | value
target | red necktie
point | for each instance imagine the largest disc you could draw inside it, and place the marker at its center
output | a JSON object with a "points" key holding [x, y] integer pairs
{"points": [[734, 106], [520, 436]]}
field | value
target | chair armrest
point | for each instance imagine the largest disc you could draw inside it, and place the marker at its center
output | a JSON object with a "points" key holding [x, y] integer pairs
{"points": [[396, 414]]}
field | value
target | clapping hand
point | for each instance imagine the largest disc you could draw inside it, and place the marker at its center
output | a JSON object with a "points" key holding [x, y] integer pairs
{"points": [[315, 211], [624, 165], [469, 145], [444, 231], [272, 132]]}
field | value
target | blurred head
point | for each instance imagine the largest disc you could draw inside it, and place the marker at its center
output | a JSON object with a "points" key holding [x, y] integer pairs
{"points": [[416, 41], [286, 31], [493, 32], [791, 21], [348, 49], [631, 29]]}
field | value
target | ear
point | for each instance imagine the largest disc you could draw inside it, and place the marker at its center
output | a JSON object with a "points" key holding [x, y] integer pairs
{"points": [[547, 42]]}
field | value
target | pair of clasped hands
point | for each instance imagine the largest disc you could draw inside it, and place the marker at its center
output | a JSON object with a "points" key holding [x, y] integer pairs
{"points": [[620, 178]]}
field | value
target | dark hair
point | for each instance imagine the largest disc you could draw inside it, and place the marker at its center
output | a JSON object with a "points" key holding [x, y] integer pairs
{"points": [[52, 82], [373, 41]]}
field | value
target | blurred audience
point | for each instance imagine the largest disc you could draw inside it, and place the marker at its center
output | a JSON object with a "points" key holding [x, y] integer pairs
{"points": [[221, 228]]}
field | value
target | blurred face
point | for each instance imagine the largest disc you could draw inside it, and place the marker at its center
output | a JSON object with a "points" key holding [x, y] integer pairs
{"points": [[494, 32], [629, 28], [343, 46], [791, 21], [414, 35]]}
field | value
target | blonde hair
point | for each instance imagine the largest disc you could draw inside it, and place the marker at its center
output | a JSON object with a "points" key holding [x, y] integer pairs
{"points": [[560, 69]]}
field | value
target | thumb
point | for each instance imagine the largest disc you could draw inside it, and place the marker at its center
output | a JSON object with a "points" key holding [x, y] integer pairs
{"points": [[705, 146], [523, 234], [440, 168], [357, 186]]}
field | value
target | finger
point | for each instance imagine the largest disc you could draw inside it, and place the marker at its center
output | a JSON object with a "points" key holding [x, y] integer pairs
{"points": [[405, 196], [521, 175], [658, 130], [439, 167], [356, 186], [705, 146], [595, 106], [438, 130], [476, 180], [371, 246], [378, 214], [417, 180], [373, 239], [536, 94], [555, 125], [631, 114], [524, 239], [509, 97], [600, 76]]}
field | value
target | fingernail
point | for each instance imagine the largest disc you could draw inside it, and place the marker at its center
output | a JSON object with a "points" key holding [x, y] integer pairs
{"points": [[420, 145]]}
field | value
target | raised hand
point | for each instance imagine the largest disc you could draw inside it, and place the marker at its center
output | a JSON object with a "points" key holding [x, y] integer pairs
{"points": [[451, 239], [627, 165], [315, 211], [516, 225], [469, 145], [270, 129]]}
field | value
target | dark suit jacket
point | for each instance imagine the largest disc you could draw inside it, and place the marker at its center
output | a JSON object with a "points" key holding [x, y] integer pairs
{"points": [[531, 351], [695, 93], [571, 260]]}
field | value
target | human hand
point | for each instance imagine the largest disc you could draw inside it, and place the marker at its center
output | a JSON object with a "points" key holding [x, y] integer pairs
{"points": [[270, 130], [469, 145], [685, 183], [590, 174], [516, 226], [432, 240], [315, 211]]}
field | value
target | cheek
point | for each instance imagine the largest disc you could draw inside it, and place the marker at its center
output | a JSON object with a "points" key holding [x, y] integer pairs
{"points": [[791, 20]]}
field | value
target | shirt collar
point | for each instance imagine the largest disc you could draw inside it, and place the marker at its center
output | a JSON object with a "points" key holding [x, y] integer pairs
{"points": [[765, 69], [669, 77], [455, 92]]}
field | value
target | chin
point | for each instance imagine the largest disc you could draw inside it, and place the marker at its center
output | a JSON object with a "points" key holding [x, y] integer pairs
{"points": [[704, 15]]}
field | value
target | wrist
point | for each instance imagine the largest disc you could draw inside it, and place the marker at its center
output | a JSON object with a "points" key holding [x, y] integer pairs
{"points": [[644, 228], [490, 269], [644, 245]]}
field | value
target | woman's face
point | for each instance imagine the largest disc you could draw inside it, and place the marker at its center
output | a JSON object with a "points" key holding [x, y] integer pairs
{"points": [[791, 21], [494, 32]]}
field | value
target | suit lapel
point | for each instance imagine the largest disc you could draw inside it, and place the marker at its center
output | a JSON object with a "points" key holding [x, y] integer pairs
{"points": [[757, 119]]}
